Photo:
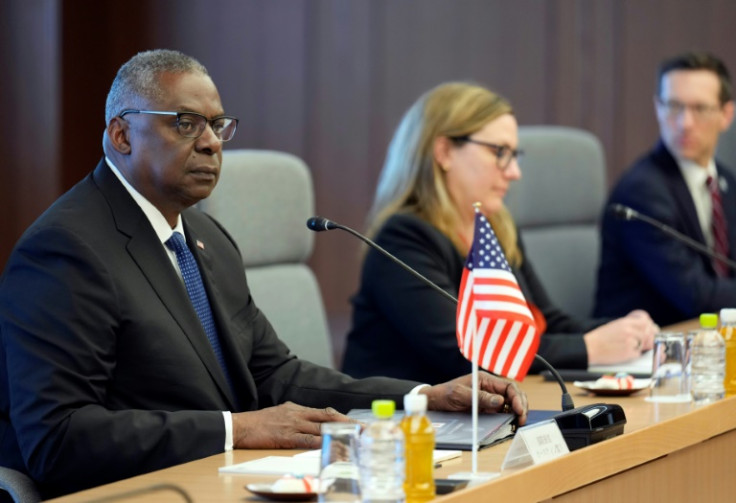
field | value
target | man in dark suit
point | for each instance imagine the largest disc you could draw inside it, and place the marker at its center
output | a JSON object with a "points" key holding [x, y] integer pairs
{"points": [[680, 184], [123, 351]]}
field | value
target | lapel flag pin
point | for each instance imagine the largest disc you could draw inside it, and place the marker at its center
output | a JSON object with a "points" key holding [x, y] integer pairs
{"points": [[200, 245]]}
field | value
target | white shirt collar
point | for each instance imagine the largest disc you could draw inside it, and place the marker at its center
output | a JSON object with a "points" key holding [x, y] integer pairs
{"points": [[159, 223], [694, 173], [695, 178]]}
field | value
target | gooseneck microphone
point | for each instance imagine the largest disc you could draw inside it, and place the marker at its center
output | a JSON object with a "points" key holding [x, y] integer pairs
{"points": [[624, 212], [319, 224]]}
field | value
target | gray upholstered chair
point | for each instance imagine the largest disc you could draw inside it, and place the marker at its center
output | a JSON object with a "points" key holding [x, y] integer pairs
{"points": [[264, 199], [557, 207], [18, 486], [726, 152]]}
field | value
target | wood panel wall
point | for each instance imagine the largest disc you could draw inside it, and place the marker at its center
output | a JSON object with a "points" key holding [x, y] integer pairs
{"points": [[328, 81]]}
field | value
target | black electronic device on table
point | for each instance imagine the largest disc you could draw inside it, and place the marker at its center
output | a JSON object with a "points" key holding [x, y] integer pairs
{"points": [[589, 424], [446, 486]]}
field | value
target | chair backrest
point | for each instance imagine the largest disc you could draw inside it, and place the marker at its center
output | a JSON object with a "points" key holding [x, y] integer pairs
{"points": [[557, 207], [18, 485], [264, 199], [726, 151]]}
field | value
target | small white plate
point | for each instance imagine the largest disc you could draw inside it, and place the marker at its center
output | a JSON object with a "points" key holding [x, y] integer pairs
{"points": [[591, 386], [266, 491]]}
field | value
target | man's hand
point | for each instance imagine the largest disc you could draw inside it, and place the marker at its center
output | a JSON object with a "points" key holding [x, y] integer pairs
{"points": [[494, 395], [286, 426]]}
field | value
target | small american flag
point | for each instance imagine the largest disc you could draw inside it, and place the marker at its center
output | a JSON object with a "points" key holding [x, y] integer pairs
{"points": [[492, 311]]}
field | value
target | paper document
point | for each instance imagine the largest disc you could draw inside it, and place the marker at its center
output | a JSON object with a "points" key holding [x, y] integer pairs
{"points": [[441, 455], [642, 365], [276, 465]]}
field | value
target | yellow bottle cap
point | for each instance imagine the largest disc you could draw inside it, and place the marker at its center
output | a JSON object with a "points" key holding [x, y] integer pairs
{"points": [[708, 320], [383, 409]]}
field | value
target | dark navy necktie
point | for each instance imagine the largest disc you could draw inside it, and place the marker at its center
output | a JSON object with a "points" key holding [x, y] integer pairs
{"points": [[197, 294]]}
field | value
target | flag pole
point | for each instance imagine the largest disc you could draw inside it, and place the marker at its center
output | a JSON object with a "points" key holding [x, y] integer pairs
{"points": [[475, 401], [476, 351]]}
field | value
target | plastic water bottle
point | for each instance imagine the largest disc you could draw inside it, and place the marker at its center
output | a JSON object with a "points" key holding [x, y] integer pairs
{"points": [[419, 439], [381, 457], [708, 362], [728, 331]]}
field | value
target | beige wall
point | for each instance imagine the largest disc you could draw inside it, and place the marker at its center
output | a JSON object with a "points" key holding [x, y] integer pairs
{"points": [[328, 80]]}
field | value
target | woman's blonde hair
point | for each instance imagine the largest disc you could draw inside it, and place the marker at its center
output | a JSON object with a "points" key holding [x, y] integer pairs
{"points": [[412, 181]]}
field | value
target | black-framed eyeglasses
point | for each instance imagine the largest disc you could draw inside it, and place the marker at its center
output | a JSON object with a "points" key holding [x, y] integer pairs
{"points": [[192, 124], [503, 153], [674, 109]]}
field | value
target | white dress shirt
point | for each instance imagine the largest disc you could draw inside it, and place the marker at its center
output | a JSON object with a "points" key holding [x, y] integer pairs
{"points": [[695, 177]]}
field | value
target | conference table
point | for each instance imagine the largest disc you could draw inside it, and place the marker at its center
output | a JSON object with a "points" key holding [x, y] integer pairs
{"points": [[668, 452]]}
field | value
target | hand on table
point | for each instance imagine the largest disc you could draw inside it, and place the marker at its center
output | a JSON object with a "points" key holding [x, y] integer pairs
{"points": [[621, 340], [285, 426], [495, 393]]}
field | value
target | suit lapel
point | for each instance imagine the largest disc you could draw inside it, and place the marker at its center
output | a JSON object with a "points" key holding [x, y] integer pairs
{"points": [[683, 199], [145, 249]]}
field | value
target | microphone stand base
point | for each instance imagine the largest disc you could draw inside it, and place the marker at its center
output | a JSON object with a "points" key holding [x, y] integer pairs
{"points": [[590, 424]]}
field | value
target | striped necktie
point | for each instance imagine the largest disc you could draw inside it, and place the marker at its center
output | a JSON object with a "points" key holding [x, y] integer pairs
{"points": [[197, 294], [720, 230]]}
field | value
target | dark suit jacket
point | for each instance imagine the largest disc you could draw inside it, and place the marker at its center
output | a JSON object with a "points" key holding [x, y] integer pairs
{"points": [[403, 328], [644, 268], [106, 370]]}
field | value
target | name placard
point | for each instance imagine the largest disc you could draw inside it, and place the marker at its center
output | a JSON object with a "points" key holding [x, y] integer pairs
{"points": [[535, 444]]}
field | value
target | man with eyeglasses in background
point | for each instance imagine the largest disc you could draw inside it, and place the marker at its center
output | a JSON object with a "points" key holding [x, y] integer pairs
{"points": [[129, 340], [680, 184]]}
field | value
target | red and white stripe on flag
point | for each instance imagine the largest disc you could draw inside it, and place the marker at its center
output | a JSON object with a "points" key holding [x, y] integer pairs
{"points": [[492, 311]]}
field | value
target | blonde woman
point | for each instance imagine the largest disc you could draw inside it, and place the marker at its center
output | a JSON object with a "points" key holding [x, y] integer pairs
{"points": [[456, 145]]}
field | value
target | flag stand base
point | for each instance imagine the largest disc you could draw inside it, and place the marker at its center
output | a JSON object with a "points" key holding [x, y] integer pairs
{"points": [[474, 478]]}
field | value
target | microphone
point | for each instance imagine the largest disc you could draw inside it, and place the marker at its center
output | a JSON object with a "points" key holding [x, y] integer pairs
{"points": [[623, 212], [579, 426], [319, 224]]}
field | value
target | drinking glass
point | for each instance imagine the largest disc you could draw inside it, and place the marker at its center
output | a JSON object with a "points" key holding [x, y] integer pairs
{"points": [[338, 475], [670, 381], [688, 359]]}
